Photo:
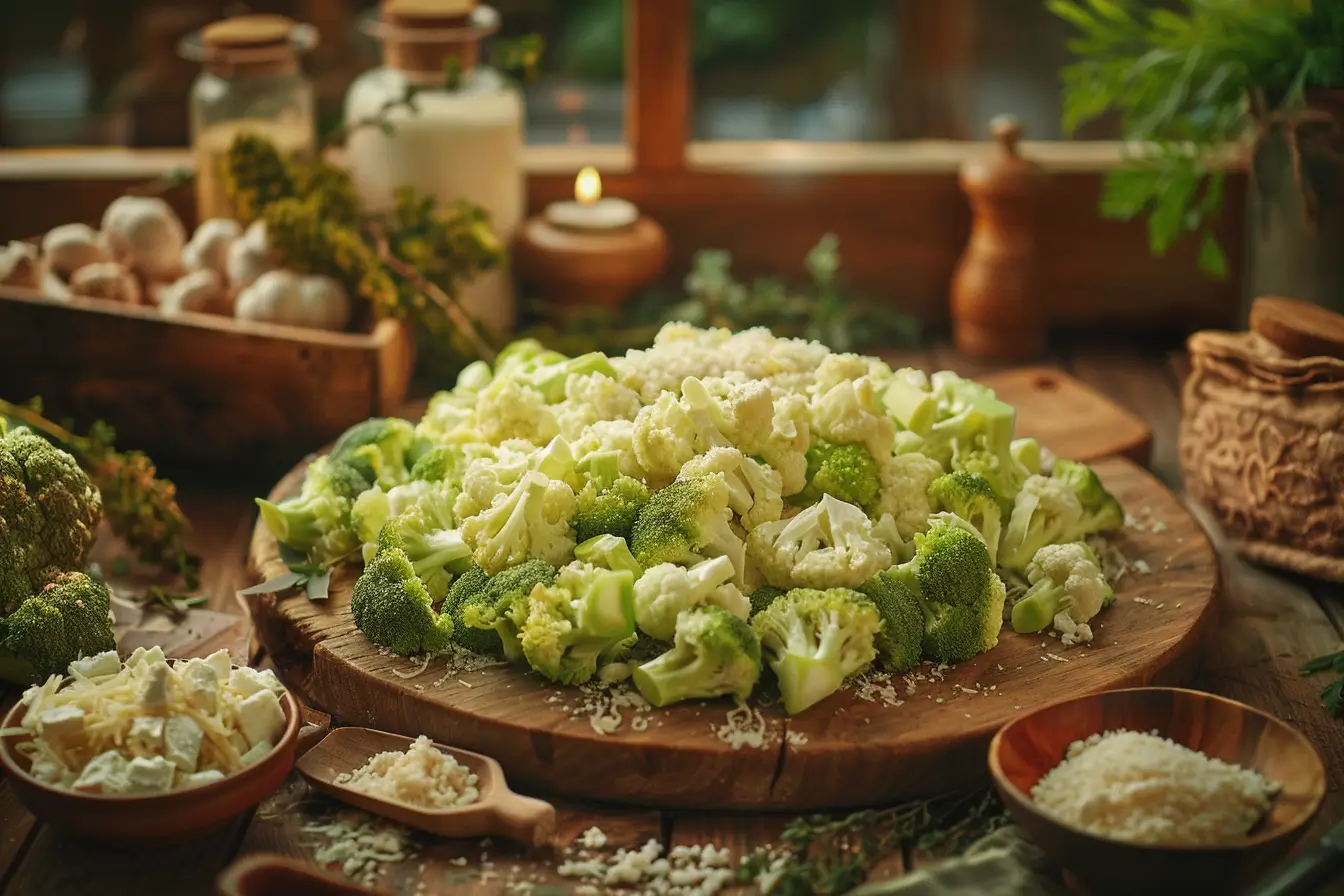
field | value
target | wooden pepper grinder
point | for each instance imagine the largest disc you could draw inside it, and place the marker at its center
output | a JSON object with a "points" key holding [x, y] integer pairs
{"points": [[996, 309]]}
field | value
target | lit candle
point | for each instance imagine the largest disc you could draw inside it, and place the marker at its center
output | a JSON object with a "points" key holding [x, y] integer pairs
{"points": [[589, 210]]}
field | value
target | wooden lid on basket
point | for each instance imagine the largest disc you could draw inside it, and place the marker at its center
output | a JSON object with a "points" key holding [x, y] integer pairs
{"points": [[1301, 329], [257, 44], [421, 35]]}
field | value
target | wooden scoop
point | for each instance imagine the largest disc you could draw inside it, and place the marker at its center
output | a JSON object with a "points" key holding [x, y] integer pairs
{"points": [[498, 811]]}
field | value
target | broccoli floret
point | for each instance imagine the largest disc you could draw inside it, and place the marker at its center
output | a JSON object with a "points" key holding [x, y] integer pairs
{"points": [[1101, 511], [373, 508], [957, 589], [436, 465], [609, 552], [900, 643], [753, 487], [378, 448], [567, 628], [1046, 511], [715, 653], [829, 544], [481, 606], [686, 522], [533, 521], [49, 513], [970, 497], [1067, 588], [763, 597], [1027, 452], [663, 591], [66, 620], [814, 640], [320, 519], [846, 471], [393, 609], [547, 375], [611, 510], [524, 351], [982, 444], [909, 401], [436, 553]]}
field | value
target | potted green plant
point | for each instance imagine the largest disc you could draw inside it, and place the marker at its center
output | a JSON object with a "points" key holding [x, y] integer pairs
{"points": [[1191, 81]]}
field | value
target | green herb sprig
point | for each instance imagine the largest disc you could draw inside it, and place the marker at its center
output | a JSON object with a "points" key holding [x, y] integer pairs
{"points": [[1333, 694]]}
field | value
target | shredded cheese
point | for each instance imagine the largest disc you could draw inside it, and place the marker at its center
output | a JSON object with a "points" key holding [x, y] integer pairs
{"points": [[423, 776], [1143, 788]]}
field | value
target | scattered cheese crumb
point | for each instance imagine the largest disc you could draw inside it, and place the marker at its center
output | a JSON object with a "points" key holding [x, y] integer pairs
{"points": [[360, 845]]}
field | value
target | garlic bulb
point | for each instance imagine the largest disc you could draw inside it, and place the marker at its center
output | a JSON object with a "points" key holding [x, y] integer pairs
{"points": [[72, 246], [209, 245], [283, 297], [324, 302], [200, 291], [144, 233], [19, 265], [106, 280], [248, 256]]}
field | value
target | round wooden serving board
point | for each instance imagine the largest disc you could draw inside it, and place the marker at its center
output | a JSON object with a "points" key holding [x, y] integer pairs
{"points": [[845, 751]]}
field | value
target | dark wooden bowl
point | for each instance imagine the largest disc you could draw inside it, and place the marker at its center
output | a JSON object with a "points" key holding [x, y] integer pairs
{"points": [[269, 874], [178, 815], [1033, 743]]}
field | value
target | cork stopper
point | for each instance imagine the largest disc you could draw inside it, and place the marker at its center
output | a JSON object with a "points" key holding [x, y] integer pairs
{"points": [[421, 35], [255, 44], [1003, 170]]}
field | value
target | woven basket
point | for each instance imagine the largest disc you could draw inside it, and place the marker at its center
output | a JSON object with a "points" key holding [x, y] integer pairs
{"points": [[1262, 445]]}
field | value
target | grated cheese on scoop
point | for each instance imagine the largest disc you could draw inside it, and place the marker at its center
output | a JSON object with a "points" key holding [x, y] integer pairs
{"points": [[422, 776], [1143, 788]]}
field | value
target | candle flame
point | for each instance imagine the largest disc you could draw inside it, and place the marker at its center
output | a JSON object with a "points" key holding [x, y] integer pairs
{"points": [[588, 186]]}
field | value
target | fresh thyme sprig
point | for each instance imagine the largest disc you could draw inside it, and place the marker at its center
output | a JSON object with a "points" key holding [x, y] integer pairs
{"points": [[1333, 694]]}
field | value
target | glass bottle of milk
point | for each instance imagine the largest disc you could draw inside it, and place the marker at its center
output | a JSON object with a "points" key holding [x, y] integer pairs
{"points": [[250, 83], [459, 143]]}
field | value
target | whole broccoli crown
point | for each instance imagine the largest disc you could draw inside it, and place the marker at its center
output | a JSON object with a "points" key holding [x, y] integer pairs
{"points": [[49, 514], [470, 582], [900, 642], [714, 653], [675, 522], [377, 448], [393, 609], [847, 472], [67, 620], [952, 565], [609, 511], [763, 597]]}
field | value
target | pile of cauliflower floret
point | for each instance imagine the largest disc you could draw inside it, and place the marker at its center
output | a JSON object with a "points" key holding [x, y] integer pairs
{"points": [[688, 514]]}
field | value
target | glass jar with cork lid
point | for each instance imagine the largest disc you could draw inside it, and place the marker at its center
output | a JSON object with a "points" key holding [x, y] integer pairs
{"points": [[460, 137], [250, 82]]}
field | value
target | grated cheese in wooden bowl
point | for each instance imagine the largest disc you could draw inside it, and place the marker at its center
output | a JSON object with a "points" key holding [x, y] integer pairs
{"points": [[1143, 788], [147, 726], [422, 776]]}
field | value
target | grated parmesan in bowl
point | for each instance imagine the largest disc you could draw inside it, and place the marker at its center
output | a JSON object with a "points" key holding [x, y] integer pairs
{"points": [[422, 776], [1146, 789]]}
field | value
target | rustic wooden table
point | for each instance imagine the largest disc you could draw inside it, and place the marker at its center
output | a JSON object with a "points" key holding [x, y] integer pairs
{"points": [[1269, 624]]}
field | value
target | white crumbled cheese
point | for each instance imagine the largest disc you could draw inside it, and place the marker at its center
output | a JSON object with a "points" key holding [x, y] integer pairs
{"points": [[686, 870], [1142, 567], [149, 774], [221, 663], [62, 725], [149, 656], [146, 734], [246, 681], [200, 684], [260, 717], [422, 776], [1143, 788], [182, 742], [199, 779], [96, 666], [593, 838], [746, 727], [154, 687], [360, 845], [104, 773]]}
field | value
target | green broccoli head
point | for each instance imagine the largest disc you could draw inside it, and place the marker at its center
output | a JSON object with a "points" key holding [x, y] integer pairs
{"points": [[1101, 511], [320, 519], [900, 643], [393, 609], [686, 522], [958, 590], [483, 606], [814, 640], [1046, 511], [437, 554], [970, 496], [437, 465], [714, 653], [466, 589], [763, 597], [611, 510], [378, 449], [847, 472], [1065, 578], [566, 628], [66, 620], [49, 514], [609, 552]]}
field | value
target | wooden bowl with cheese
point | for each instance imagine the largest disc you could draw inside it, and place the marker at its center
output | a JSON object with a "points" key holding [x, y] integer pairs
{"points": [[138, 808], [1158, 790]]}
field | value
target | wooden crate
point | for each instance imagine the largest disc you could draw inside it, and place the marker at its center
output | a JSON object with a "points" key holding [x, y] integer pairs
{"points": [[199, 389]]}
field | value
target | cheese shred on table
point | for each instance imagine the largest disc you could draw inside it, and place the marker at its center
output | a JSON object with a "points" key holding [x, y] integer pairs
{"points": [[1143, 788], [423, 776]]}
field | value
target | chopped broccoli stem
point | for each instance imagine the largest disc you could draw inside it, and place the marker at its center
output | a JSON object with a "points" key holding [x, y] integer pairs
{"points": [[1027, 452], [910, 406], [608, 551], [714, 653]]}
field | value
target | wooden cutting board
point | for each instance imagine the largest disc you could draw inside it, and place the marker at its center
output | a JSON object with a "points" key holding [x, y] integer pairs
{"points": [[907, 739], [1069, 417]]}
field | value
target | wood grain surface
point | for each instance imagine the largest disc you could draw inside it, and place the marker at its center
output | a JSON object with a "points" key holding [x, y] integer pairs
{"points": [[847, 751]]}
